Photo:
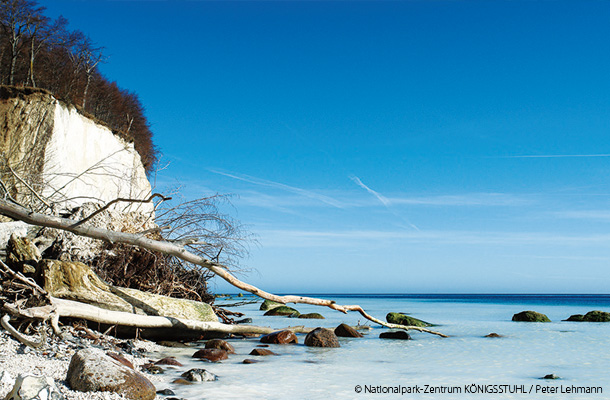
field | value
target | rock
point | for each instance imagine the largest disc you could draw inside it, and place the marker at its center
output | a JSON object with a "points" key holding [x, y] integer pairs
{"points": [[76, 281], [344, 330], [169, 361], [199, 375], [220, 344], [34, 387], [262, 352], [262, 345], [591, 316], [550, 376], [166, 392], [22, 255], [120, 359], [91, 370], [213, 355], [268, 305], [152, 369], [181, 381], [244, 321], [402, 319], [280, 337], [400, 335], [322, 337], [530, 316], [250, 361], [311, 316], [283, 311], [493, 335]]}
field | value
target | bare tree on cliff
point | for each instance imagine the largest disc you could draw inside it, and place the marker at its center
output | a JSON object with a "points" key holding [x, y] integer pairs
{"points": [[16, 17]]}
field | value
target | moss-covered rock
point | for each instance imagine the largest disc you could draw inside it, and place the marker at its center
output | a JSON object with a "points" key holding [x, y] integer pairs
{"points": [[530, 316], [283, 311], [314, 315], [402, 319], [76, 281], [268, 305], [22, 255], [591, 316]]}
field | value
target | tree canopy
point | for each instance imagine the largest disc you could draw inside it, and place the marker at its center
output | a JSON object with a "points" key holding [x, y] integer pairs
{"points": [[40, 52]]}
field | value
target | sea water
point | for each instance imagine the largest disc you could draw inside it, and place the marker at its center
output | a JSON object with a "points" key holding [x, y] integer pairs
{"points": [[466, 365]]}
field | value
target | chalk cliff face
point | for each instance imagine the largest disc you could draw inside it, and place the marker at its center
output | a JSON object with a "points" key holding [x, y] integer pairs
{"points": [[66, 156]]}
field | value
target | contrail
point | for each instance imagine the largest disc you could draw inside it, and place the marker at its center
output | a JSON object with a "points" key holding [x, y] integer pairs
{"points": [[277, 185], [384, 200]]}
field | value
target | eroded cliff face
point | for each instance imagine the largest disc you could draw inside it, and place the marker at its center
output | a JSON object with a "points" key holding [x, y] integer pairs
{"points": [[67, 157]]}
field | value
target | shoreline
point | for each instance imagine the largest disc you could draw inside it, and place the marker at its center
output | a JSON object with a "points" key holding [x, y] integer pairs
{"points": [[53, 359]]}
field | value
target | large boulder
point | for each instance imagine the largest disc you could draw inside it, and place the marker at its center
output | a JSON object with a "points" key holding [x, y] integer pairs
{"points": [[530, 316], [29, 387], [322, 337], [91, 370], [591, 316], [403, 319], [212, 355], [76, 281]]}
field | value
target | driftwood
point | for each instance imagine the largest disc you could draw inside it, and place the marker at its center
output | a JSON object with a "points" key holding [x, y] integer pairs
{"points": [[20, 213], [74, 309]]}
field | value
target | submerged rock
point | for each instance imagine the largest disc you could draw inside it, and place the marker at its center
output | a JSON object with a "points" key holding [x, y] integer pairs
{"points": [[403, 319], [400, 335], [550, 376], [169, 361], [530, 316], [199, 375], [220, 344], [91, 370], [283, 311], [262, 352], [29, 387], [280, 337], [344, 330], [493, 335], [314, 315], [268, 305], [213, 355], [591, 316], [322, 337]]}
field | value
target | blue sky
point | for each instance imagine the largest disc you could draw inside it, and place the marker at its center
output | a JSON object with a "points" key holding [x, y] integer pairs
{"points": [[383, 146]]}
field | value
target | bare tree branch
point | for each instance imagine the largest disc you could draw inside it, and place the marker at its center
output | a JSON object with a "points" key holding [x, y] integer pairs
{"points": [[20, 213]]}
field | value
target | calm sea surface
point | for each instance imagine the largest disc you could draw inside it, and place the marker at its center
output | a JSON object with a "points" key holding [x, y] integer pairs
{"points": [[579, 353]]}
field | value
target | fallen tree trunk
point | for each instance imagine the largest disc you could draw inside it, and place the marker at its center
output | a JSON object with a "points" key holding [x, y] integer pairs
{"points": [[75, 309], [20, 213]]}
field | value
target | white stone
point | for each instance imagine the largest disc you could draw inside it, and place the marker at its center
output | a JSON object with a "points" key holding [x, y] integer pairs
{"points": [[30, 387]]}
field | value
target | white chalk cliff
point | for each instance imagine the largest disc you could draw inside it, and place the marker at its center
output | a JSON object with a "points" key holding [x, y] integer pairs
{"points": [[70, 158]]}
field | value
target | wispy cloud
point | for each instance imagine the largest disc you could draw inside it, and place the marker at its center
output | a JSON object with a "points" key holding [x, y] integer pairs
{"points": [[470, 199], [350, 238], [556, 155], [276, 185], [599, 215]]}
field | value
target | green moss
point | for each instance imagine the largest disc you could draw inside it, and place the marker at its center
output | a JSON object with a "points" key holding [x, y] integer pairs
{"points": [[311, 316], [402, 319], [530, 316], [591, 316], [283, 311], [268, 305]]}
